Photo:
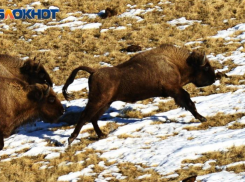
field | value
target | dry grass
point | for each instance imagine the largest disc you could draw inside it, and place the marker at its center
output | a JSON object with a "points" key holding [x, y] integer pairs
{"points": [[236, 126], [132, 171], [131, 113], [195, 167], [236, 168], [124, 136], [108, 128], [167, 136], [73, 48], [166, 106], [219, 119], [232, 155], [27, 168], [162, 107], [69, 49]]}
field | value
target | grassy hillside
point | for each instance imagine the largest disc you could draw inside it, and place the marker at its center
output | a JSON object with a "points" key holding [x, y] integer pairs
{"points": [[65, 43]]}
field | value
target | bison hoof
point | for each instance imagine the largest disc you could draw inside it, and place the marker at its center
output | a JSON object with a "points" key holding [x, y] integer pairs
{"points": [[101, 136], [70, 140], [202, 119]]}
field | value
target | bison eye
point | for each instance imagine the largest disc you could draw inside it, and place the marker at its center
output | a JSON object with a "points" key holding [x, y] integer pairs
{"points": [[51, 99], [41, 75], [206, 68]]}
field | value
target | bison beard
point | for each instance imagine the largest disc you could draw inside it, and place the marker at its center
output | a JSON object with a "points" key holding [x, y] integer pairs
{"points": [[159, 72]]}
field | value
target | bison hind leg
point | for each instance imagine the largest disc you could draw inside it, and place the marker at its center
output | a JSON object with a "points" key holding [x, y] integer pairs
{"points": [[94, 121], [92, 112]]}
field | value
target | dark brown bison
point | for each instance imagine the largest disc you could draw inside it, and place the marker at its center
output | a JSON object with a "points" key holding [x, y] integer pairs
{"points": [[190, 179], [108, 13], [30, 70], [132, 48], [21, 102], [159, 72]]}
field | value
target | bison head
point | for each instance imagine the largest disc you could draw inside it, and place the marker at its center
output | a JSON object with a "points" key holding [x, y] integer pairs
{"points": [[35, 72], [202, 72], [47, 104]]}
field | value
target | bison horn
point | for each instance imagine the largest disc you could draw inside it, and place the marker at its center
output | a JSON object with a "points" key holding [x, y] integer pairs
{"points": [[38, 65], [203, 60], [46, 92]]}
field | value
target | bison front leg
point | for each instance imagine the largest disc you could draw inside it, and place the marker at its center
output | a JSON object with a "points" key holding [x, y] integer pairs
{"points": [[182, 98]]}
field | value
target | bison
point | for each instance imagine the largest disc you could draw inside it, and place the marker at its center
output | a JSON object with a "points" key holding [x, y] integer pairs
{"points": [[190, 179], [162, 72], [108, 13], [132, 48], [21, 102], [29, 70]]}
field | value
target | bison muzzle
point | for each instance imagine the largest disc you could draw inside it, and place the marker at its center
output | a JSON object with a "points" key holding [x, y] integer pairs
{"points": [[160, 72]]}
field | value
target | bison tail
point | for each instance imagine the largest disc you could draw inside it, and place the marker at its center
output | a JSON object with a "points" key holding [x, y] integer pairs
{"points": [[72, 77]]}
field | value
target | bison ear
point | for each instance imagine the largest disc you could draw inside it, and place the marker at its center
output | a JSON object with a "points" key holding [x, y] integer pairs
{"points": [[196, 59], [38, 65], [35, 95], [47, 90]]}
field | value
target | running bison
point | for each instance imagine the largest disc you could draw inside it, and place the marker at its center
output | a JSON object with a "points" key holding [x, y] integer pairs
{"points": [[30, 70], [21, 102], [162, 72]]}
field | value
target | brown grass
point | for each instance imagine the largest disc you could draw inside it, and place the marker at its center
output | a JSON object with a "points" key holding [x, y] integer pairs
{"points": [[162, 107], [236, 126], [27, 168], [79, 47], [69, 49], [124, 136], [132, 172], [219, 119], [233, 154]]}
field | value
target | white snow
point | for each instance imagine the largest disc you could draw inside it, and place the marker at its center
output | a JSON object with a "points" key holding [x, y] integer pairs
{"points": [[35, 3], [239, 70], [223, 176], [88, 26], [182, 23], [207, 164], [144, 176], [52, 155], [74, 175], [145, 144], [132, 13], [77, 85], [230, 31]]}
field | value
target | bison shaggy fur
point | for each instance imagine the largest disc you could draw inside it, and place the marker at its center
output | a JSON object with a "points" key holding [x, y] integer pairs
{"points": [[29, 70], [160, 72], [21, 102]]}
